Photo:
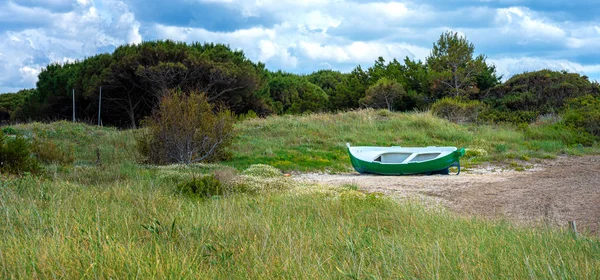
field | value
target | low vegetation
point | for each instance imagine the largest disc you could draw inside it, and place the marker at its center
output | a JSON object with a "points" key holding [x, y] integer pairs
{"points": [[137, 226], [104, 214], [185, 129], [317, 142]]}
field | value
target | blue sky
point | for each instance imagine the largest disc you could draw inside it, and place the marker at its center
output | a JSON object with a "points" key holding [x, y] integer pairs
{"points": [[301, 36]]}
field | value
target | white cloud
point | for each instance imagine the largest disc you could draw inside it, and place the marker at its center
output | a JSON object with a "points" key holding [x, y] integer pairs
{"points": [[67, 36], [300, 35], [511, 66], [361, 52], [390, 9], [528, 26], [318, 21]]}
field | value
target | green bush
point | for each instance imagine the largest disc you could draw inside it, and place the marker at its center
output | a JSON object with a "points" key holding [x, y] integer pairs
{"points": [[383, 94], [456, 110], [15, 155], [48, 152], [186, 129], [9, 130], [583, 113], [507, 116], [205, 186]]}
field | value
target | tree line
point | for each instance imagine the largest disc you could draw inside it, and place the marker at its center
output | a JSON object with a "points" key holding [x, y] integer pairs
{"points": [[134, 78]]}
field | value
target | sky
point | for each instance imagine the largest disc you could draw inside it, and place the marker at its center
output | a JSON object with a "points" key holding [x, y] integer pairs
{"points": [[302, 36]]}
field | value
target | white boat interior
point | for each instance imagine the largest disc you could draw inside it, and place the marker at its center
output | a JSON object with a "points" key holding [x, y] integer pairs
{"points": [[399, 155]]}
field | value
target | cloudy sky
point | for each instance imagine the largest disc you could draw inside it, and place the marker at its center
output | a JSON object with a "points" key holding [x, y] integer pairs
{"points": [[301, 36]]}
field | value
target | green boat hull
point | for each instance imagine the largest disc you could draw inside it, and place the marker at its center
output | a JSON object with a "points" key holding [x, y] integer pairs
{"points": [[436, 166]]}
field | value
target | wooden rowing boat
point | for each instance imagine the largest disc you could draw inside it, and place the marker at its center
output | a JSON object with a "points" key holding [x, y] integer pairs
{"points": [[404, 160]]}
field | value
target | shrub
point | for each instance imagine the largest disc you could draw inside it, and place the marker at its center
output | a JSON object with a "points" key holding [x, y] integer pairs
{"points": [[475, 152], [456, 110], [186, 129], [383, 94], [584, 114], [262, 170], [225, 175], [9, 130], [247, 116], [516, 117], [205, 186], [48, 152], [15, 155]]}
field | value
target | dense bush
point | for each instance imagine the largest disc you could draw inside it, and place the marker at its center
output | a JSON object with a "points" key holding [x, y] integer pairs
{"points": [[48, 152], [584, 113], [186, 129], [457, 110], [524, 97], [134, 79], [383, 94], [205, 186], [293, 94], [495, 115], [15, 155], [11, 102]]}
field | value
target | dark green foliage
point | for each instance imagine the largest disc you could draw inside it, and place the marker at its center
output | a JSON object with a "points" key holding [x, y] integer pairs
{"points": [[11, 103], [526, 96], [416, 79], [295, 94], [351, 89], [9, 130], [134, 78], [496, 115], [205, 186], [455, 71], [15, 155], [337, 87], [383, 95], [583, 113], [458, 111]]}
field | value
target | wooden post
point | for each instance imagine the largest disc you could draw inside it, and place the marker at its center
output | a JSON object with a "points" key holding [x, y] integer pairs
{"points": [[73, 105], [99, 105], [573, 227]]}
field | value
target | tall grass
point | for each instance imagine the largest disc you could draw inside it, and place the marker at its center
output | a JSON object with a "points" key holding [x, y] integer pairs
{"points": [[115, 218], [317, 141], [115, 146], [138, 228]]}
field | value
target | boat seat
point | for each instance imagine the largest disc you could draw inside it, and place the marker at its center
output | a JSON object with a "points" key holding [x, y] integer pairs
{"points": [[393, 157], [424, 157]]}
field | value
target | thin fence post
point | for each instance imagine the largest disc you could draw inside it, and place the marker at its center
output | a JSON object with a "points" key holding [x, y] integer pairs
{"points": [[573, 227], [99, 106], [73, 105]]}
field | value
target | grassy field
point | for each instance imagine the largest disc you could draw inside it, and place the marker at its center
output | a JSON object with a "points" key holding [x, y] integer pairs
{"points": [[138, 228], [317, 142], [115, 218]]}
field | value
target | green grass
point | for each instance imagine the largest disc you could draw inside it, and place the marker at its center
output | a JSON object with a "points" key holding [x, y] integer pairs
{"points": [[119, 219], [137, 228], [316, 142]]}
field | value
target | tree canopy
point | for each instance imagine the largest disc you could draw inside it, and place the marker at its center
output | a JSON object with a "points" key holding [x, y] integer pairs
{"points": [[134, 78]]}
